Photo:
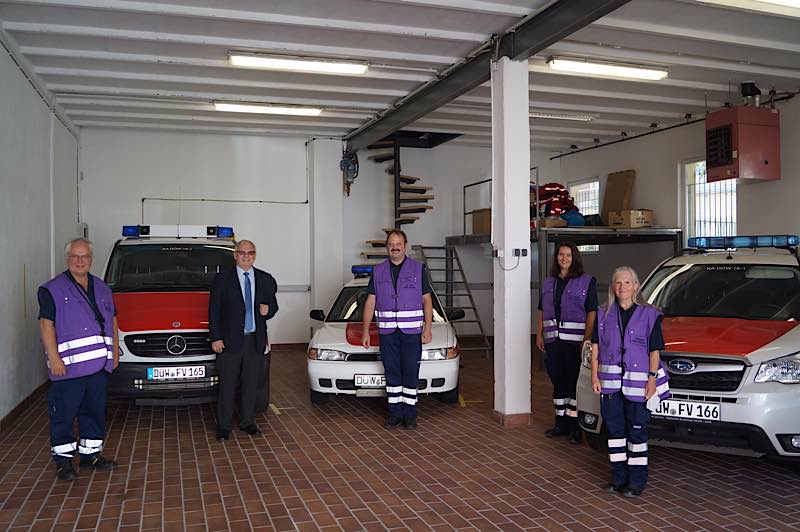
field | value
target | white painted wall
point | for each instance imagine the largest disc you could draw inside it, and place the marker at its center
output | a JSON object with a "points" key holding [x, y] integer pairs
{"points": [[258, 185], [774, 207], [33, 146]]}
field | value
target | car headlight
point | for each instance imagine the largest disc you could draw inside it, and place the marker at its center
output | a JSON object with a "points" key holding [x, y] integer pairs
{"points": [[326, 354], [434, 354], [785, 370], [586, 355]]}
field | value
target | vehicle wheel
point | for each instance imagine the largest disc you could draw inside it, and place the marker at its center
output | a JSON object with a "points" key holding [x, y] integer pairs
{"points": [[318, 398], [596, 441], [449, 397]]}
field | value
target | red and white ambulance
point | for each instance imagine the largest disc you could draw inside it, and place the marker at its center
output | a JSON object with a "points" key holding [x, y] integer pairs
{"points": [[731, 313], [161, 276]]}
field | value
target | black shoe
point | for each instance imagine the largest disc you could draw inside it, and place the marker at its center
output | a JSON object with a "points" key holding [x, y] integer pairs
{"points": [[410, 424], [615, 488], [576, 437], [555, 432], [392, 422], [66, 471], [223, 434], [252, 429], [632, 491], [98, 463]]}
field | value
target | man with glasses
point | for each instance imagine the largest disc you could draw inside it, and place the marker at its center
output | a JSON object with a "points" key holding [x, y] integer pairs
{"points": [[241, 302], [78, 324]]}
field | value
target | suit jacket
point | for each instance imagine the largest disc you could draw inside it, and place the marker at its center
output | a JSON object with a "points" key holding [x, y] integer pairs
{"points": [[226, 309]]}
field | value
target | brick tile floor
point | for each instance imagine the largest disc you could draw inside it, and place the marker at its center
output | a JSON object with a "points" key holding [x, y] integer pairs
{"points": [[335, 468]]}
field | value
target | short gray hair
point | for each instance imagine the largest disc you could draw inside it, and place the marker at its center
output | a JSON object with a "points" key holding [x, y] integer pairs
{"points": [[242, 242], [79, 240]]}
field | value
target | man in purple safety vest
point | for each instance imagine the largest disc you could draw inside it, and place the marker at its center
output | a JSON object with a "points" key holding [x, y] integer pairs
{"points": [[78, 324], [400, 298]]}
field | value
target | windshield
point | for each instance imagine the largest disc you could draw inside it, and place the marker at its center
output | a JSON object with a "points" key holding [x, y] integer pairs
{"points": [[167, 267], [349, 306], [747, 291]]}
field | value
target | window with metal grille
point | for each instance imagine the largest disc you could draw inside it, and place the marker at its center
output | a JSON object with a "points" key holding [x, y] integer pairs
{"points": [[710, 207], [587, 198]]}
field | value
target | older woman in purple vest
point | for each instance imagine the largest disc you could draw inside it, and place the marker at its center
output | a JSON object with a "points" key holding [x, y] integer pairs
{"points": [[567, 308], [627, 372]]}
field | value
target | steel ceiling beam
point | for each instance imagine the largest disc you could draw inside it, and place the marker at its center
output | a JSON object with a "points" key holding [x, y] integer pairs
{"points": [[554, 23]]}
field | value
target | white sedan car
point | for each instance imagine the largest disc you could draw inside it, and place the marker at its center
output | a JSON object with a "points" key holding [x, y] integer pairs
{"points": [[732, 352], [339, 364]]}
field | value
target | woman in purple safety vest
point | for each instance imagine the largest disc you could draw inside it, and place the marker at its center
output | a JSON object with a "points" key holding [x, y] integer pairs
{"points": [[627, 372], [567, 309]]}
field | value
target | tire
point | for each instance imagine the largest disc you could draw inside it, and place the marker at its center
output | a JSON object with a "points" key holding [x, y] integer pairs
{"points": [[596, 441], [318, 398], [450, 397]]}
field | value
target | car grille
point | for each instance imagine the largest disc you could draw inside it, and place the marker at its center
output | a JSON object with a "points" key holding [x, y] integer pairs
{"points": [[363, 357], [700, 379], [155, 344]]}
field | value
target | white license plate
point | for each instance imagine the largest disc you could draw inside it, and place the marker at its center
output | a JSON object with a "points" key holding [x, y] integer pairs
{"points": [[370, 381], [689, 410], [176, 372]]}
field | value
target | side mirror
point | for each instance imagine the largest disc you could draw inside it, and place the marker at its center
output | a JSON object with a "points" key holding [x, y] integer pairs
{"points": [[317, 314], [455, 314]]}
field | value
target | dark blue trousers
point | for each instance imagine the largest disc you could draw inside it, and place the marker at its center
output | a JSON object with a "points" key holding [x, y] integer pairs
{"points": [[563, 363], [83, 398], [400, 354], [626, 422]]}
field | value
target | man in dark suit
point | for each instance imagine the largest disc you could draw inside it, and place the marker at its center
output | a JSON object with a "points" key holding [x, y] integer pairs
{"points": [[241, 302]]}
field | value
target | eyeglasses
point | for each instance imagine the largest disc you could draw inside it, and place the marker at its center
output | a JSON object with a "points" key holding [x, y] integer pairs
{"points": [[248, 253], [80, 257]]}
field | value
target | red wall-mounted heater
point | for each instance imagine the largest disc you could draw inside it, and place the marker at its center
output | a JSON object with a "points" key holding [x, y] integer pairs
{"points": [[743, 143]]}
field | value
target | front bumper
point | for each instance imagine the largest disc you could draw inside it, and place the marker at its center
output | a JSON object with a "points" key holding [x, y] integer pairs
{"points": [[757, 420], [338, 377], [130, 381]]}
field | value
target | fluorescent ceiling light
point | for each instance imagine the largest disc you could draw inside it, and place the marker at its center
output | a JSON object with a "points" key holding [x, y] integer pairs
{"points": [[789, 8], [296, 64], [267, 109], [561, 116], [617, 70]]}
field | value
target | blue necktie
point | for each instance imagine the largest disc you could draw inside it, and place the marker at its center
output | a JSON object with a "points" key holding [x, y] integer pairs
{"points": [[249, 322]]}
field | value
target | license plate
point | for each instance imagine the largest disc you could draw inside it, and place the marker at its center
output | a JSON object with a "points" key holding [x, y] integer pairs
{"points": [[689, 410], [370, 381], [176, 372]]}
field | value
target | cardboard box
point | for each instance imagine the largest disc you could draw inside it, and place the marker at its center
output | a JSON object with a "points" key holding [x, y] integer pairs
{"points": [[617, 195], [482, 221], [631, 218], [552, 222]]}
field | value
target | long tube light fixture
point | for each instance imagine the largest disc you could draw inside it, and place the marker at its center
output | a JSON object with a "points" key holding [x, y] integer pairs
{"points": [[602, 68], [232, 107], [561, 116], [789, 8], [296, 64]]}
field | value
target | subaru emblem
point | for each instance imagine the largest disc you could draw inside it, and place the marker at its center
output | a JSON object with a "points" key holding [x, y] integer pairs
{"points": [[681, 365]]}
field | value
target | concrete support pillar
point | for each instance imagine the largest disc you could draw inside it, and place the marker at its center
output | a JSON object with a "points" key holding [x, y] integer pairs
{"points": [[510, 232], [327, 229]]}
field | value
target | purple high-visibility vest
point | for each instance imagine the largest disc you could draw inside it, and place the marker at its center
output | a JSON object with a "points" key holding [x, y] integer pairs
{"points": [[628, 371], [572, 325], [84, 347], [401, 308]]}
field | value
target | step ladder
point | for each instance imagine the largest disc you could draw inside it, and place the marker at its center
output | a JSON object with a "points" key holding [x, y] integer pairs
{"points": [[451, 285]]}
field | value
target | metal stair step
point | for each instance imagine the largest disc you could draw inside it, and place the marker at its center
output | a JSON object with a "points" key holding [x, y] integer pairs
{"points": [[376, 243], [382, 157], [416, 197]]}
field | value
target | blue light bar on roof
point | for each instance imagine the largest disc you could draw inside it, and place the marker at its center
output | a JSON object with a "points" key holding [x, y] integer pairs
{"points": [[224, 232], [361, 270], [130, 230], [759, 241]]}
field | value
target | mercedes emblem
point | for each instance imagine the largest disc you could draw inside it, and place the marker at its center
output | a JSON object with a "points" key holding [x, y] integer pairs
{"points": [[176, 345]]}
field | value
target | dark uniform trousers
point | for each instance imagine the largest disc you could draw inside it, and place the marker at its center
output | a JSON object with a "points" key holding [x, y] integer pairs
{"points": [[626, 423], [246, 367], [563, 366], [84, 398], [401, 354]]}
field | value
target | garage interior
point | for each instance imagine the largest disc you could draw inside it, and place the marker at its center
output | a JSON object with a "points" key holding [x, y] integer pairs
{"points": [[108, 118]]}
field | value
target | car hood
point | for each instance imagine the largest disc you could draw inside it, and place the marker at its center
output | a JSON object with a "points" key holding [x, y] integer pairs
{"points": [[335, 336], [159, 311], [730, 337]]}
